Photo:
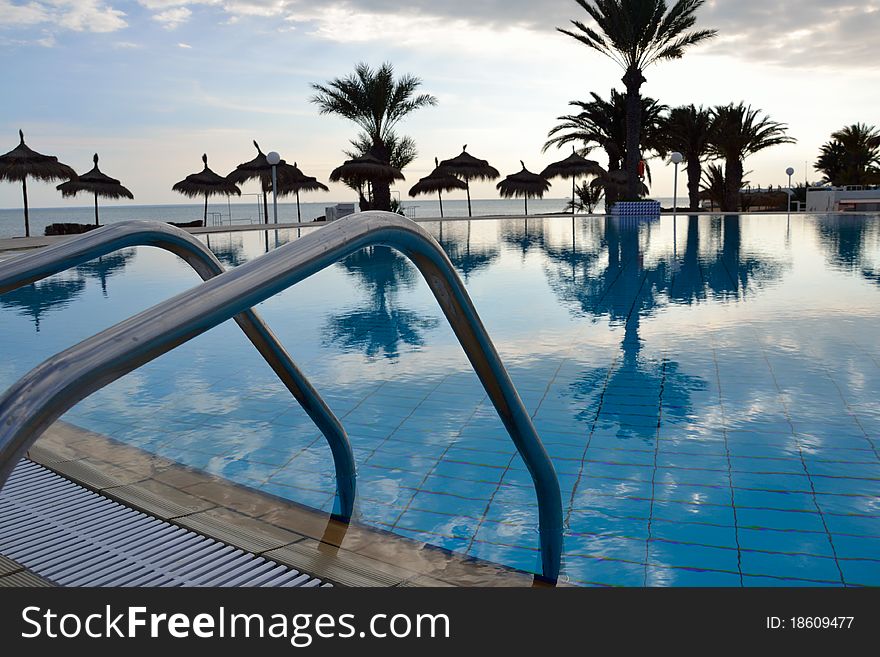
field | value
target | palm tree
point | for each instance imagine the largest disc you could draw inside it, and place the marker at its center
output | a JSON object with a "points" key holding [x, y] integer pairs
{"points": [[852, 157], [636, 34], [402, 152], [737, 132], [602, 123], [687, 130], [587, 197], [713, 185], [376, 102]]}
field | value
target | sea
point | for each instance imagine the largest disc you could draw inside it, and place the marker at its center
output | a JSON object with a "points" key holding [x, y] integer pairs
{"points": [[223, 213]]}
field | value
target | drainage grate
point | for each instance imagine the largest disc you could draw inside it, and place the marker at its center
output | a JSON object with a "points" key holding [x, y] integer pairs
{"points": [[75, 537]]}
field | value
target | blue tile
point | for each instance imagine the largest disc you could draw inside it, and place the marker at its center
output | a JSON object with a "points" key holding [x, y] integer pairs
{"points": [[774, 540], [700, 513], [808, 521], [701, 534], [861, 572], [856, 547], [604, 572], [790, 566], [684, 555], [658, 576]]}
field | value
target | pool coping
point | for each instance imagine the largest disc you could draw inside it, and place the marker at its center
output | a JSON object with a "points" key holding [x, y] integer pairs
{"points": [[275, 528]]}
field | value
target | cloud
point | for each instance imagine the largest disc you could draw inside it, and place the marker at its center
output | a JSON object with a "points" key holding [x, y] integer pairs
{"points": [[184, 45], [809, 33], [31, 13], [173, 18], [823, 33], [814, 33], [75, 15]]}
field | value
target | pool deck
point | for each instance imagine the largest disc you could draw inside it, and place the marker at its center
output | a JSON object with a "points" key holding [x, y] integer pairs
{"points": [[291, 534]]}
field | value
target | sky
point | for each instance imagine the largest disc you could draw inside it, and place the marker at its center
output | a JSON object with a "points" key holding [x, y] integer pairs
{"points": [[150, 85]]}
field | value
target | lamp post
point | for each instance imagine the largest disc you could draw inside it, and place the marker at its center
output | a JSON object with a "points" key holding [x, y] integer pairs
{"points": [[274, 158], [676, 158], [790, 172]]}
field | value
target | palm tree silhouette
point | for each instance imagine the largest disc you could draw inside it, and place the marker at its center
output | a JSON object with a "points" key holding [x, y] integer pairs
{"points": [[602, 123], [636, 34], [737, 132], [852, 157], [687, 130], [376, 103]]}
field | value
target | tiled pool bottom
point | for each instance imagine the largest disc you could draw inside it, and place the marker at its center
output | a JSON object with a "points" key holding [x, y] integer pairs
{"points": [[707, 391]]}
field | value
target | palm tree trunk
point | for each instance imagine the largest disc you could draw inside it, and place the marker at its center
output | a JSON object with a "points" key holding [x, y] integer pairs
{"points": [[381, 196], [611, 194], [633, 81], [733, 175], [694, 173], [27, 225], [96, 209]]}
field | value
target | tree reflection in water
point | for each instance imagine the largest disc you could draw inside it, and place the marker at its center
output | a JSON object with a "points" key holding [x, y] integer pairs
{"points": [[380, 328], [626, 290], [58, 292]]}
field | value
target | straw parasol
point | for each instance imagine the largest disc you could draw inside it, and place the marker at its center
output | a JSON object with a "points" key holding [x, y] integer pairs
{"points": [[96, 182], [467, 167], [21, 162], [208, 183], [258, 168], [293, 181], [572, 167], [366, 168], [439, 180], [524, 184]]}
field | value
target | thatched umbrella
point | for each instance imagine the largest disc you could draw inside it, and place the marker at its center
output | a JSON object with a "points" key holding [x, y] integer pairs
{"points": [[467, 167], [208, 183], [96, 182], [572, 167], [439, 180], [258, 168], [525, 184], [365, 169], [21, 162], [293, 181]]}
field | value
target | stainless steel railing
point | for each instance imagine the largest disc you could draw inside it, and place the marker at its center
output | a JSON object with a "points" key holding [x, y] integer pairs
{"points": [[31, 267], [31, 405]]}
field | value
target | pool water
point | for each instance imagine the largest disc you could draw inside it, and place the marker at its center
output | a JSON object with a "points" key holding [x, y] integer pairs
{"points": [[707, 388]]}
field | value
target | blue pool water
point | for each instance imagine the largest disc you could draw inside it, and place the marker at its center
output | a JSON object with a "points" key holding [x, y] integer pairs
{"points": [[707, 388]]}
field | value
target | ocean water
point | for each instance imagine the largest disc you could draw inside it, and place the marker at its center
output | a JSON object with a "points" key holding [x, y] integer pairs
{"points": [[12, 219]]}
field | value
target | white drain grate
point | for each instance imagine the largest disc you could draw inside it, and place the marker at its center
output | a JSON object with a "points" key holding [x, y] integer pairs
{"points": [[76, 537]]}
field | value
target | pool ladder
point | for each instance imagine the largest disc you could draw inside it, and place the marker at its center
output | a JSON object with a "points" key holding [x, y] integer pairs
{"points": [[43, 395]]}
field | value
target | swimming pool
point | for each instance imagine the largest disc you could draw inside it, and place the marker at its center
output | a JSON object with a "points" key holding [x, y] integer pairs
{"points": [[706, 387]]}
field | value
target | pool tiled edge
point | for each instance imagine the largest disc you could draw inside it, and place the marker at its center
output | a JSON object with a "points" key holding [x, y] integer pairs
{"points": [[353, 555]]}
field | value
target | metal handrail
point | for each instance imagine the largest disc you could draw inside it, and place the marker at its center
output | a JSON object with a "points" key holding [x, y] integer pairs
{"points": [[32, 267], [46, 392]]}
